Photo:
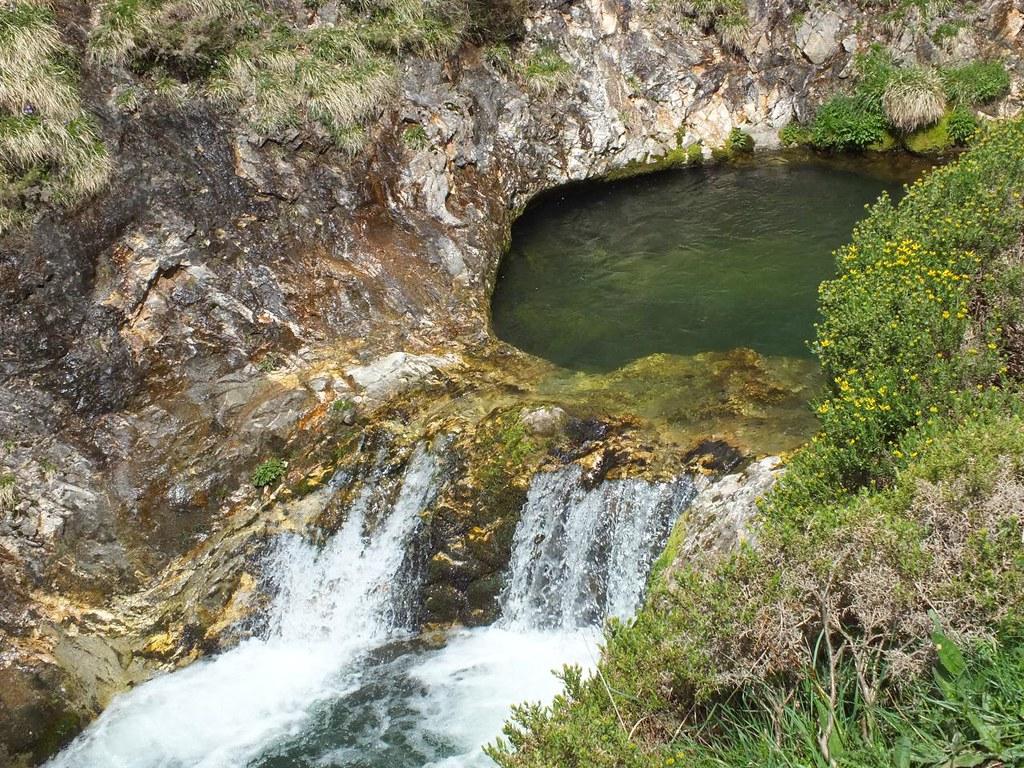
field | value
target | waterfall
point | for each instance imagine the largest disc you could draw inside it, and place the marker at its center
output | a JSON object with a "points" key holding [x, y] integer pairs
{"points": [[579, 555], [333, 606], [339, 679], [583, 555], [350, 588]]}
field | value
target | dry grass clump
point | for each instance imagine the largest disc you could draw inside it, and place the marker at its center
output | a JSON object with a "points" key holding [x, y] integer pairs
{"points": [[546, 72], [127, 29], [728, 19], [275, 69], [914, 98], [326, 76], [48, 146]]}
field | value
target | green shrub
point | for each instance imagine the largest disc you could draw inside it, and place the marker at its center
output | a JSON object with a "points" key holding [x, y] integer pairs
{"points": [[269, 472], [796, 135], [740, 142], [962, 126], [977, 82], [842, 123]]}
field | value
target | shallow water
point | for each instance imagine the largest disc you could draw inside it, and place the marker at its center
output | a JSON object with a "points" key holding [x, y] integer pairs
{"points": [[690, 261]]}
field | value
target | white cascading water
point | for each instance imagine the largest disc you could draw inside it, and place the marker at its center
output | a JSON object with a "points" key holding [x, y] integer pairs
{"points": [[333, 605], [579, 556], [329, 686]]}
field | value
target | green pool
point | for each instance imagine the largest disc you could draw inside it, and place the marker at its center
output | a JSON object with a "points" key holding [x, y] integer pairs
{"points": [[682, 262]]}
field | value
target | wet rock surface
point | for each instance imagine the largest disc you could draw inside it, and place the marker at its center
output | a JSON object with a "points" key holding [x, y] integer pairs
{"points": [[211, 308]]}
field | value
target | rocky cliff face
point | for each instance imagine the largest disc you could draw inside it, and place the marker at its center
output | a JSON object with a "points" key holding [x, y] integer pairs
{"points": [[207, 310]]}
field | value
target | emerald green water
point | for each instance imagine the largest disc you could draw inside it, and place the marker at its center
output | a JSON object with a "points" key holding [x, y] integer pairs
{"points": [[681, 262]]}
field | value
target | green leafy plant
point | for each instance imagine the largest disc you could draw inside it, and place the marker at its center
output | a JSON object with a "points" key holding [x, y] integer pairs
{"points": [[796, 135], [843, 124], [962, 126], [977, 82], [270, 363], [269, 472], [740, 142]]}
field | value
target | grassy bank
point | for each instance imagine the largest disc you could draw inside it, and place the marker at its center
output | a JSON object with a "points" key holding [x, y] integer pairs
{"points": [[878, 620], [924, 109]]}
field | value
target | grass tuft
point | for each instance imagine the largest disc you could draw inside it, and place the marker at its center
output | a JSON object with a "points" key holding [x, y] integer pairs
{"points": [[49, 148], [546, 72], [914, 98]]}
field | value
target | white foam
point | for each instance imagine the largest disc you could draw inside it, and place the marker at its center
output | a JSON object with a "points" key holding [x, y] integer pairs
{"points": [[477, 678], [333, 605]]}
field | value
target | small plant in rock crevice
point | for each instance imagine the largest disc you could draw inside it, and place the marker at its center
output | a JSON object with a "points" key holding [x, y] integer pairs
{"points": [[415, 137], [8, 492], [269, 472], [546, 72], [740, 142]]}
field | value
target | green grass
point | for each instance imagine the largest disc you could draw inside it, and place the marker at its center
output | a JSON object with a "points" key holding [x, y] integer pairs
{"points": [[728, 19], [889, 101], [977, 82], [279, 73], [968, 712], [546, 71], [49, 146], [8, 492], [902, 513], [415, 137]]}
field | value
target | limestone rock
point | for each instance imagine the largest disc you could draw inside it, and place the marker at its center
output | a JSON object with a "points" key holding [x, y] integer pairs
{"points": [[818, 36], [721, 517]]}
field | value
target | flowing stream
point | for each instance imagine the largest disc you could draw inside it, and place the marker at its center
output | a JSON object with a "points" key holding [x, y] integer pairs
{"points": [[340, 679]]}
